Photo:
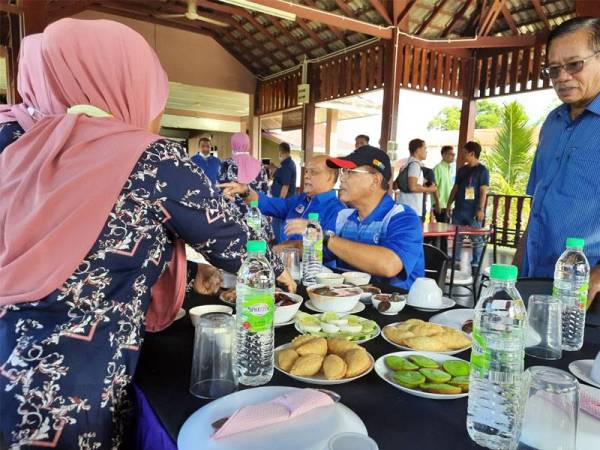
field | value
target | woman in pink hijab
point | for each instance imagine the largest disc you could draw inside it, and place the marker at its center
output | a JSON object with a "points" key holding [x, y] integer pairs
{"points": [[95, 210]]}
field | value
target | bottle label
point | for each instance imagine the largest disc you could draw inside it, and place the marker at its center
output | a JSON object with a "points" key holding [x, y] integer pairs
{"points": [[254, 224], [480, 354], [319, 249], [583, 296], [257, 311]]}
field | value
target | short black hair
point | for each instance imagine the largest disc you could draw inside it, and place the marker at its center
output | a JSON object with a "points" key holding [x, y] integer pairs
{"points": [[284, 147], [362, 136], [473, 147], [576, 24], [446, 149], [203, 139], [415, 145]]}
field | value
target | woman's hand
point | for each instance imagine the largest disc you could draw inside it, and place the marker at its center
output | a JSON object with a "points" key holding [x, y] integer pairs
{"points": [[287, 282], [208, 280]]}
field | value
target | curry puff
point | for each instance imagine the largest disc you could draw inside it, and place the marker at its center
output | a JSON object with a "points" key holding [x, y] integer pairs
{"points": [[286, 358], [338, 346], [307, 366], [420, 335], [315, 346], [334, 367], [302, 339], [358, 361]]}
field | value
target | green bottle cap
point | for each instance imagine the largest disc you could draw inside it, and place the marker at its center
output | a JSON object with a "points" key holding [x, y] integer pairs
{"points": [[574, 242], [254, 203], [313, 216], [256, 246], [504, 272]]}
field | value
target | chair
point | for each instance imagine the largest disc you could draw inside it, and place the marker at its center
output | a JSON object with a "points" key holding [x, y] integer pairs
{"points": [[436, 264]]}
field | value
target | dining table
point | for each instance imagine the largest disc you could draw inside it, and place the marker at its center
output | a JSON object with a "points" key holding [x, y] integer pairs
{"points": [[393, 418]]}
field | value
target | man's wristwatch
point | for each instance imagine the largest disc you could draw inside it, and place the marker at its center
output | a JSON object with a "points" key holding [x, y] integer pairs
{"points": [[326, 235]]}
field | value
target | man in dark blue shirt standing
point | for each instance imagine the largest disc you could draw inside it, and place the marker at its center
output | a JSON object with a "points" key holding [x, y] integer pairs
{"points": [[209, 164], [284, 180]]}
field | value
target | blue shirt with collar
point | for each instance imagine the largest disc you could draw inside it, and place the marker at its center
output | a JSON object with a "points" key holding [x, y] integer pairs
{"points": [[285, 176], [394, 226], [565, 187], [211, 166]]}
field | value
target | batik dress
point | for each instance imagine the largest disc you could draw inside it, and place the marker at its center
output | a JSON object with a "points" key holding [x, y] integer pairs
{"points": [[9, 132], [67, 360]]}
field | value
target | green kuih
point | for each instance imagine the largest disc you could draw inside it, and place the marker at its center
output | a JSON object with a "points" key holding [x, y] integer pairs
{"points": [[436, 375], [457, 368], [440, 388], [461, 382], [423, 361], [399, 363], [409, 379]]}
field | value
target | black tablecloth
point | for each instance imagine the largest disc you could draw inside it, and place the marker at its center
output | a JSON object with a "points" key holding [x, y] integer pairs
{"points": [[393, 418]]}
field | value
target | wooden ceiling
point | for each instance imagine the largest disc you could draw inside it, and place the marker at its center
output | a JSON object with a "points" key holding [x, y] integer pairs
{"points": [[267, 45]]}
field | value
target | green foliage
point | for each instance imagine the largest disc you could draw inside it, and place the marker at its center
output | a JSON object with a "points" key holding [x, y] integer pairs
{"points": [[488, 116]]}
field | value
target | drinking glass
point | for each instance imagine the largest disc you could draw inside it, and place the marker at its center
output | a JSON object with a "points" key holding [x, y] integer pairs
{"points": [[291, 261], [543, 338], [212, 371], [550, 406]]}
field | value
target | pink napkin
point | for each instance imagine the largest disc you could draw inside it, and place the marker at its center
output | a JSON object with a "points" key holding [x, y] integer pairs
{"points": [[280, 409], [589, 403]]}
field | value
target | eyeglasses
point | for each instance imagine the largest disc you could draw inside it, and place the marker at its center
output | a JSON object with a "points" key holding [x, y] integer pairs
{"points": [[571, 68], [346, 172]]}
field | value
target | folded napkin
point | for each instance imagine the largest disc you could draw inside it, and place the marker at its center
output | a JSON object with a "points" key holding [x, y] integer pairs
{"points": [[280, 409], [589, 403]]}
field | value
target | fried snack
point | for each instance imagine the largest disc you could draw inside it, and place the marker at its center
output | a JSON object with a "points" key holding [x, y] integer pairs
{"points": [[456, 368], [399, 363], [427, 329], [339, 347], [461, 382], [317, 346], [423, 361], [397, 335], [334, 367], [286, 358], [358, 361], [307, 366], [452, 339], [302, 339], [439, 388], [436, 375], [409, 379], [428, 344]]}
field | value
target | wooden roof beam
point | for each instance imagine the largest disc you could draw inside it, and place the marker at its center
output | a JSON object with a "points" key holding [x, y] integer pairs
{"points": [[523, 40], [401, 10], [541, 14], [489, 18], [508, 18], [459, 14], [345, 8], [328, 18], [378, 6], [338, 33], [434, 13]]}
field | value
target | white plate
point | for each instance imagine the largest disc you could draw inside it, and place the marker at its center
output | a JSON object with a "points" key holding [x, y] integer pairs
{"points": [[446, 303], [310, 431], [454, 318], [403, 347], [284, 324], [376, 333], [382, 370], [320, 378], [358, 308], [582, 370]]}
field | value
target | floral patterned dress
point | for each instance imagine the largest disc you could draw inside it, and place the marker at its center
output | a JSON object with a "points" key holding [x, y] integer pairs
{"points": [[67, 360], [9, 132]]}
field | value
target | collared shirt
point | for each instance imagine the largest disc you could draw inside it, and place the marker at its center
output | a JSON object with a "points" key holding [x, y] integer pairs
{"points": [[285, 176], [211, 166], [443, 181], [473, 178], [414, 199], [391, 226], [565, 186]]}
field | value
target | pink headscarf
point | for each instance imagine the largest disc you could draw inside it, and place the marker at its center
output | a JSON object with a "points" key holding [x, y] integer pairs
{"points": [[38, 100], [248, 166], [62, 178]]}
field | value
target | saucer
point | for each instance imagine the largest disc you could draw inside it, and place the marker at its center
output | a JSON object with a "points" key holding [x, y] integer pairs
{"points": [[446, 303], [582, 370], [358, 308]]}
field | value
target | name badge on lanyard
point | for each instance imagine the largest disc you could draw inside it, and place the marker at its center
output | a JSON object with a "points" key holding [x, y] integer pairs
{"points": [[470, 193]]}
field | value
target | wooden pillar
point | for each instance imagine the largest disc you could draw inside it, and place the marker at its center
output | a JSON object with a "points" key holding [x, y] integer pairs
{"points": [[391, 91], [331, 131], [467, 116], [587, 8], [12, 56], [254, 129], [308, 135]]}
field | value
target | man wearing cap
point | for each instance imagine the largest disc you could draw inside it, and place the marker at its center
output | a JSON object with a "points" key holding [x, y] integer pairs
{"points": [[318, 196], [376, 235]]}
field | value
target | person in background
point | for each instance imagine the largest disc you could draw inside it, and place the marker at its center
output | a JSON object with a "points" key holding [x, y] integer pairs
{"points": [[99, 208], [360, 140], [564, 175], [375, 235], [416, 180], [210, 164], [318, 196], [469, 194], [429, 200], [284, 180], [444, 182]]}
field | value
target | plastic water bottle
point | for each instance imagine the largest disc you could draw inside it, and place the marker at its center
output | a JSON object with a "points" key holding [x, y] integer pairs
{"points": [[255, 307], [571, 284], [312, 254], [254, 217], [493, 415]]}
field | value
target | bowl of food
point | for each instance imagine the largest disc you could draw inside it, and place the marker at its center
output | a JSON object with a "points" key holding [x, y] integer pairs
{"points": [[198, 311], [357, 278], [341, 298], [368, 292], [329, 279], [286, 306], [389, 304]]}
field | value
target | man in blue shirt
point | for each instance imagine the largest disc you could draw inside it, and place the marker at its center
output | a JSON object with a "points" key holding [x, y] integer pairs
{"points": [[209, 164], [284, 180], [376, 235], [564, 179], [318, 196]]}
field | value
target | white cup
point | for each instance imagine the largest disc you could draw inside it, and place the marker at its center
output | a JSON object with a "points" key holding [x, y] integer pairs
{"points": [[595, 373], [198, 311], [351, 441], [425, 293]]}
